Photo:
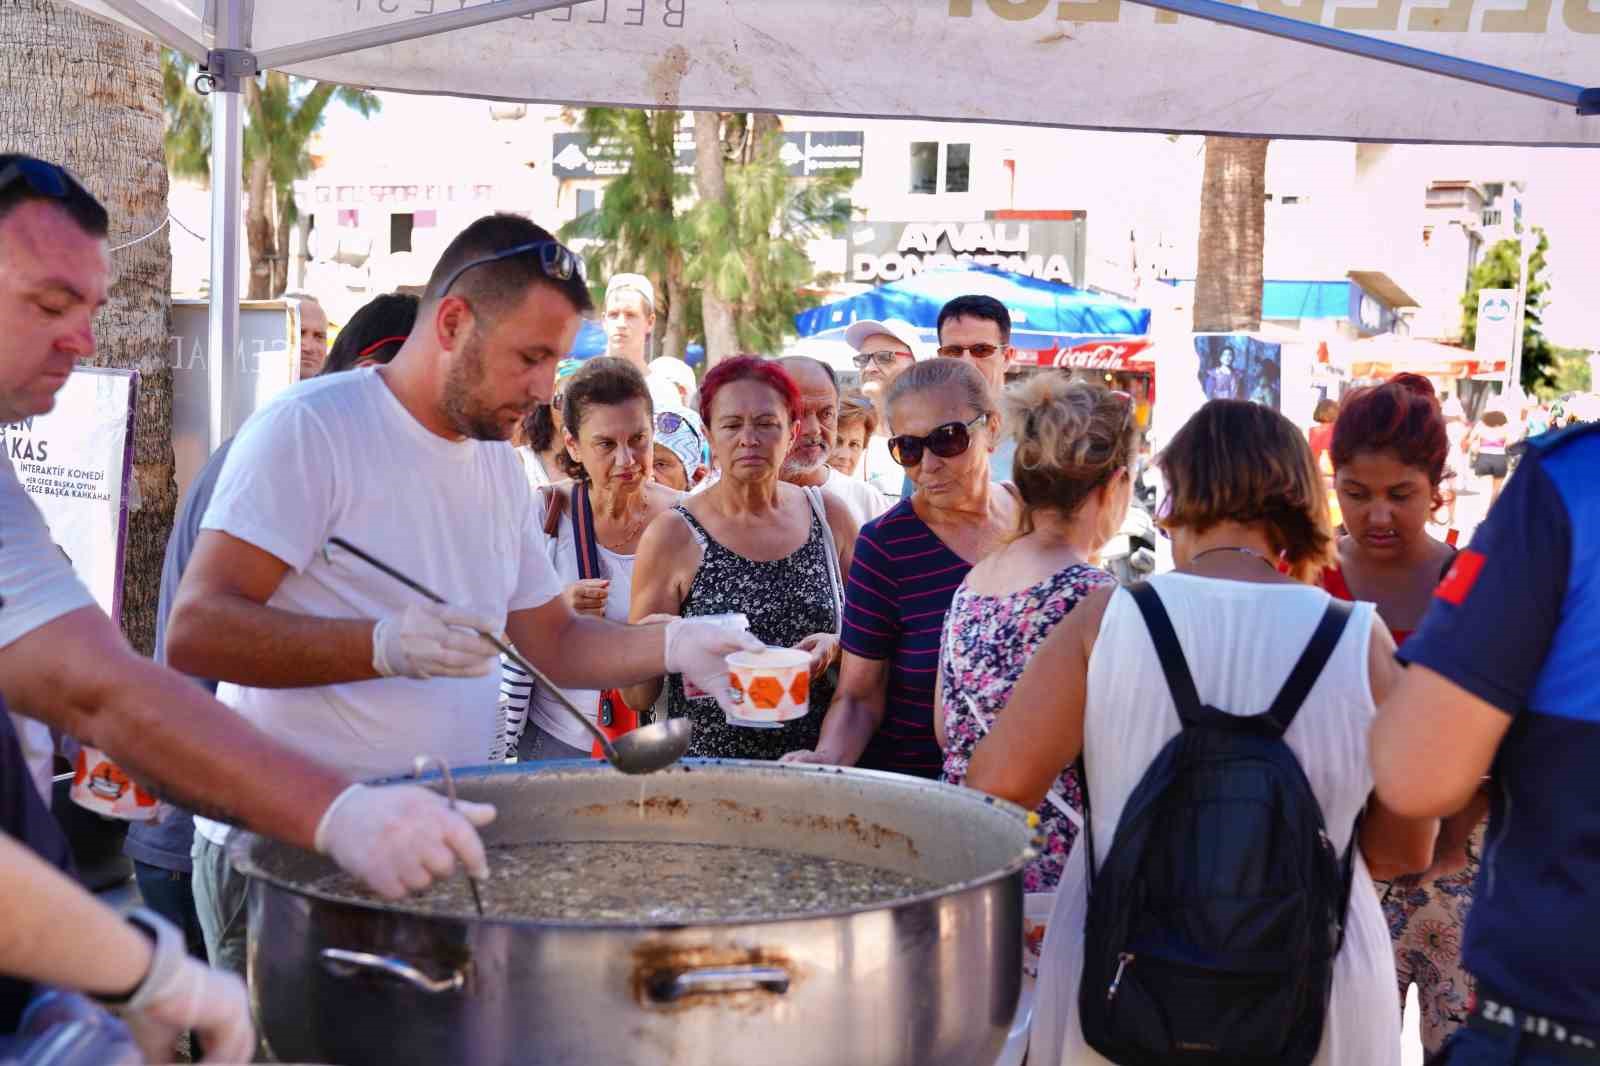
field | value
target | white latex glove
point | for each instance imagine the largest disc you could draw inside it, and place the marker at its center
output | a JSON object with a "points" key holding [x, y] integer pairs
{"points": [[698, 649], [179, 994], [399, 838], [428, 640]]}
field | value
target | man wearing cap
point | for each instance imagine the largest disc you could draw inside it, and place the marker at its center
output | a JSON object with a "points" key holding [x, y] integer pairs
{"points": [[883, 350], [630, 315], [679, 449]]}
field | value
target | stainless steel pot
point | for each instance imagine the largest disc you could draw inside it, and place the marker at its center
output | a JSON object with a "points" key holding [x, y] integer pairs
{"points": [[929, 980]]}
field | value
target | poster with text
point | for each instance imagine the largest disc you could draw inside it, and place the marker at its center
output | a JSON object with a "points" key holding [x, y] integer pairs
{"points": [[1236, 366], [77, 464]]}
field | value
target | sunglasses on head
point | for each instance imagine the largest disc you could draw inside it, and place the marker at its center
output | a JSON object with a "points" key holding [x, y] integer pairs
{"points": [[884, 359], [44, 179], [556, 262], [979, 351], [946, 441], [671, 422]]}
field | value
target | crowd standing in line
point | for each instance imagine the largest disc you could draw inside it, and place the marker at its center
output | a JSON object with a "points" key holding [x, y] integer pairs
{"points": [[957, 599]]}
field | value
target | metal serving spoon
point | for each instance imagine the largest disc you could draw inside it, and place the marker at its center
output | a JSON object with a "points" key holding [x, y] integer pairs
{"points": [[419, 766], [642, 751]]}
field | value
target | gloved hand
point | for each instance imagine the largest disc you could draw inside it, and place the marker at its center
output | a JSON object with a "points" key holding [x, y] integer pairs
{"points": [[398, 838], [428, 640], [698, 649], [179, 994]]}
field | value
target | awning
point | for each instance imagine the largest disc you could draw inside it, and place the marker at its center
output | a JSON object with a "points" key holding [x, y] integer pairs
{"points": [[1042, 312], [1390, 354]]}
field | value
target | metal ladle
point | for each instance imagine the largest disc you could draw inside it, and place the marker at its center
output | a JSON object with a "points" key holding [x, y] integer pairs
{"points": [[419, 766], [642, 751]]}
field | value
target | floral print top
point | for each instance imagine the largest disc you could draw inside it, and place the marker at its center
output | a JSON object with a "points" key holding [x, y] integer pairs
{"points": [[988, 641]]}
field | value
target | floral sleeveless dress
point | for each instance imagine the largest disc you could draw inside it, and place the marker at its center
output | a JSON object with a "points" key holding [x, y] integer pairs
{"points": [[786, 601], [988, 641]]}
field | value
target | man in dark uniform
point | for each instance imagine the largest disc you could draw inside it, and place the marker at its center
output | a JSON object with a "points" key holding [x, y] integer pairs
{"points": [[1501, 682]]}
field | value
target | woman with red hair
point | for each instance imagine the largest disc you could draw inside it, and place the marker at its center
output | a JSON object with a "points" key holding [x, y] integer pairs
{"points": [[753, 545], [1390, 450]]}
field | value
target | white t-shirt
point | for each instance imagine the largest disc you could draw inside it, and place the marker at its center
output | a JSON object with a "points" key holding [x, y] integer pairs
{"points": [[37, 586], [864, 502], [542, 708], [341, 456], [879, 469]]}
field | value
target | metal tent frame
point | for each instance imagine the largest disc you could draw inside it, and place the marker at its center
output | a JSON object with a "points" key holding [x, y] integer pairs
{"points": [[231, 60]]}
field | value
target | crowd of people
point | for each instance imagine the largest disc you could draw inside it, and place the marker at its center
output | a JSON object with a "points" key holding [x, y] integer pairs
{"points": [[932, 541]]}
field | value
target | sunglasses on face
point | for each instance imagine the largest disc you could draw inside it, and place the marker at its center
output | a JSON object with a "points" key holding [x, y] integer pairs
{"points": [[979, 351], [884, 359], [946, 441], [556, 262]]}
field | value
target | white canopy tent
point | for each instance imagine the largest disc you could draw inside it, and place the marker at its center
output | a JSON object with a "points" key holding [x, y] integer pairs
{"points": [[1467, 71]]}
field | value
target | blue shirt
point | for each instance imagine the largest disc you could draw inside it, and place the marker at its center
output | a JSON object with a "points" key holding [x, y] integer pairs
{"points": [[1517, 623]]}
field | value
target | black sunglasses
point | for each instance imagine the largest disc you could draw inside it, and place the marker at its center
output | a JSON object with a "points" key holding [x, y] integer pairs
{"points": [[556, 261], [45, 179], [946, 441], [885, 358]]}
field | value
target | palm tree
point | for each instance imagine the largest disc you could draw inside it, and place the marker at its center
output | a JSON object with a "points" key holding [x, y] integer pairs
{"points": [[280, 117], [1233, 192], [85, 93], [637, 226]]}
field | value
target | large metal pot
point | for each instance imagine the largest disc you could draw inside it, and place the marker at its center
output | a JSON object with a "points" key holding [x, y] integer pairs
{"points": [[928, 980]]}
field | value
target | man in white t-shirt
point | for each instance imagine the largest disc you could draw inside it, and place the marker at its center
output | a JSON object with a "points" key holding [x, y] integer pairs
{"points": [[408, 462], [807, 464], [65, 664], [883, 351]]}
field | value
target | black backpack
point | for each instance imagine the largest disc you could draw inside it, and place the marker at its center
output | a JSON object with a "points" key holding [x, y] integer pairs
{"points": [[1215, 920]]}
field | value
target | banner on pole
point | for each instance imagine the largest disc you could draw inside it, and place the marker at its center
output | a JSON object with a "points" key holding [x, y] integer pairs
{"points": [[77, 464], [1497, 325]]}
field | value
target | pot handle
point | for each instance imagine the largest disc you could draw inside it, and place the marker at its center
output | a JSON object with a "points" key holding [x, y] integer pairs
{"points": [[342, 963], [673, 986]]}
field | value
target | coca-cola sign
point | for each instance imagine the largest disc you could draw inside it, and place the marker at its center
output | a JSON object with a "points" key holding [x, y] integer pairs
{"points": [[1116, 356]]}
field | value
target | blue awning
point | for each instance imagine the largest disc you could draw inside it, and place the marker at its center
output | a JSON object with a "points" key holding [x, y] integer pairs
{"points": [[1041, 311]]}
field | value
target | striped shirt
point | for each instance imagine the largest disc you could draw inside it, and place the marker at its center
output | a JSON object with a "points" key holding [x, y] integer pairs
{"points": [[901, 585]]}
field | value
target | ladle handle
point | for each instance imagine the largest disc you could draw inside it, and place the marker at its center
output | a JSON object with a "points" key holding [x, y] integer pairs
{"points": [[702, 980], [342, 963], [504, 646]]}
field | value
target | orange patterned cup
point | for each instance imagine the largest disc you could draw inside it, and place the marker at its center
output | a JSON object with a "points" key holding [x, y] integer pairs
{"points": [[771, 686], [100, 785]]}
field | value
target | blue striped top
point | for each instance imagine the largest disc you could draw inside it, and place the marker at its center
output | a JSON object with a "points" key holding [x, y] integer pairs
{"points": [[900, 587]]}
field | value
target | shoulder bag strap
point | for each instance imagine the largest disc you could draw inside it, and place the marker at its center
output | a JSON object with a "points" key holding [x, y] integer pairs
{"points": [[583, 538], [820, 509], [555, 505], [1312, 660], [1180, 682]]}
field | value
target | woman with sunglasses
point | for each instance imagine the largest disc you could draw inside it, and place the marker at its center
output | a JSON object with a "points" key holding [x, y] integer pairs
{"points": [[539, 438], [750, 544], [909, 563], [1076, 446], [593, 524]]}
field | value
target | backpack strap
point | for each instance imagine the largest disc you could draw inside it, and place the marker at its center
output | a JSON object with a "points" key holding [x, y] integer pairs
{"points": [[1312, 660], [1180, 682]]}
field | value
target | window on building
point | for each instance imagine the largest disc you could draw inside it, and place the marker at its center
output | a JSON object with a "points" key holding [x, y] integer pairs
{"points": [[925, 167], [588, 200], [400, 227], [1289, 199], [936, 166], [957, 167]]}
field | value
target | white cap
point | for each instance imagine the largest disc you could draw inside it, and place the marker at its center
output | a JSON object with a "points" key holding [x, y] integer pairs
{"points": [[860, 332], [639, 283], [674, 371]]}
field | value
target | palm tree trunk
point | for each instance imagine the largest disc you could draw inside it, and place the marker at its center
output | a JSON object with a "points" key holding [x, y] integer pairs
{"points": [[258, 229], [710, 182], [280, 251], [1227, 295], [674, 337], [84, 93]]}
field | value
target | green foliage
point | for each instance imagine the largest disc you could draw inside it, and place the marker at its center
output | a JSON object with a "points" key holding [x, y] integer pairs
{"points": [[751, 245], [1571, 373], [1500, 268]]}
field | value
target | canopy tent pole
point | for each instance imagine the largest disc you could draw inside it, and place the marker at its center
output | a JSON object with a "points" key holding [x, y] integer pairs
{"points": [[409, 30], [1585, 100], [159, 28], [232, 34]]}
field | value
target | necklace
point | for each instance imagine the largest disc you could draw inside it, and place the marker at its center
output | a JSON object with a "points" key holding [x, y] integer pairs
{"points": [[628, 532], [1268, 563]]}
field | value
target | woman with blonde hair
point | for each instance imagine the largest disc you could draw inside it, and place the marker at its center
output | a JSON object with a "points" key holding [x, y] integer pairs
{"points": [[1076, 445], [1245, 503]]}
